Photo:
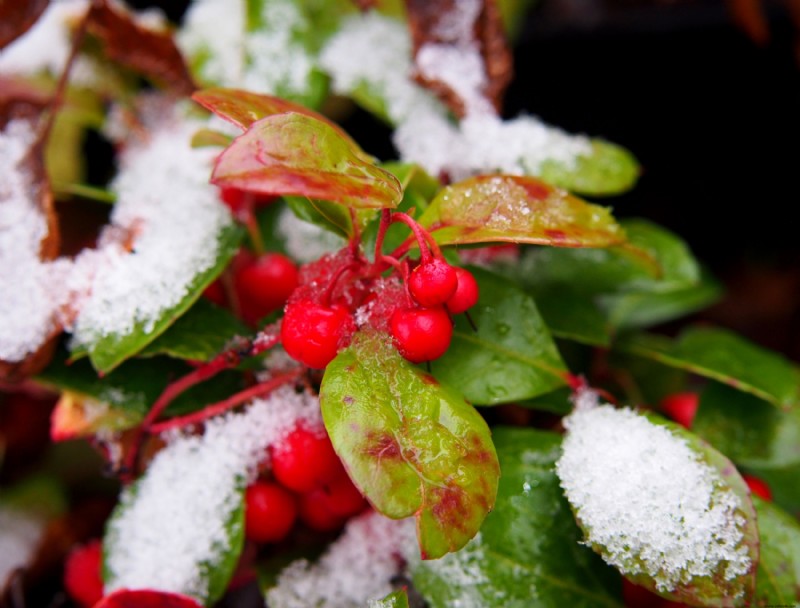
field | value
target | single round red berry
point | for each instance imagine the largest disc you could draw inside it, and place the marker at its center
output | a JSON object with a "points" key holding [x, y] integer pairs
{"points": [[342, 497], [758, 486], [432, 283], [316, 514], [681, 407], [264, 284], [270, 512], [311, 333], [83, 579], [305, 460], [421, 334], [466, 294]]}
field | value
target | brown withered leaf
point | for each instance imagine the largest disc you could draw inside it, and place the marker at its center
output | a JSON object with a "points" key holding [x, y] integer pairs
{"points": [[28, 105], [17, 17], [447, 22], [151, 53]]}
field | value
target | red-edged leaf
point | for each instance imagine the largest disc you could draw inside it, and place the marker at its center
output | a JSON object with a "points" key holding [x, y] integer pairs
{"points": [[17, 16], [518, 209], [299, 155], [149, 52], [462, 27], [146, 598], [411, 445], [243, 108]]}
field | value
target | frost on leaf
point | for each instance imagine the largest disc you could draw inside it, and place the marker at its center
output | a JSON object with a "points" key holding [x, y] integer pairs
{"points": [[357, 568], [518, 209], [411, 445], [179, 529], [28, 239], [669, 514]]}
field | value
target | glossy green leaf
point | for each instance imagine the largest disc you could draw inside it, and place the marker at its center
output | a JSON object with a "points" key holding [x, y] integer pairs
{"points": [[573, 315], [243, 109], [510, 357], [109, 350], [398, 599], [324, 214], [411, 445], [711, 585], [296, 154], [724, 356], [778, 575], [756, 435], [198, 335], [609, 169], [212, 575], [493, 208], [528, 553]]}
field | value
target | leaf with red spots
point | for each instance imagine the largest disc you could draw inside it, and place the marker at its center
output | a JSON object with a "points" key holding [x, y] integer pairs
{"points": [[411, 445], [152, 53], [516, 209], [146, 598], [297, 154], [243, 108], [17, 17]]}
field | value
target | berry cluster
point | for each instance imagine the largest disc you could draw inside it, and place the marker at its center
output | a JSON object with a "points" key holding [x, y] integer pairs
{"points": [[309, 484]]}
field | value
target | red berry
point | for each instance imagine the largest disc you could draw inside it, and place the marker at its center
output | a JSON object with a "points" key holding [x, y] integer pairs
{"points": [[342, 498], [311, 333], [83, 579], [432, 283], [263, 284], [681, 407], [466, 294], [305, 460], [758, 486], [270, 512], [215, 292], [316, 514], [421, 334]]}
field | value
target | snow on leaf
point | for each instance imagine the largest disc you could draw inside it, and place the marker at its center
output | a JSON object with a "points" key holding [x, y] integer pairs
{"points": [[17, 17], [148, 51], [412, 446], [670, 512], [518, 209], [296, 154], [398, 599]]}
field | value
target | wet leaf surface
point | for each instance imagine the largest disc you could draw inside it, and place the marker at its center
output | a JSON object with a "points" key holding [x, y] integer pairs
{"points": [[413, 446]]}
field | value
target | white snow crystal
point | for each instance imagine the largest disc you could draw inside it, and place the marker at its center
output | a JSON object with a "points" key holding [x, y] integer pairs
{"points": [[648, 500]]}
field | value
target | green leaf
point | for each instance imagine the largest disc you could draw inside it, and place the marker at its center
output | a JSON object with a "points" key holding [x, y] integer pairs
{"points": [[610, 169], [671, 561], [723, 356], [778, 575], [198, 335], [398, 599], [528, 553], [297, 154], [109, 350], [212, 575], [243, 109], [756, 435], [325, 214], [571, 315], [411, 445], [510, 357], [517, 209]]}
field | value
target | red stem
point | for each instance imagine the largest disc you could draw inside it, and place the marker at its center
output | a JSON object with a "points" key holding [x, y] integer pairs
{"points": [[223, 406], [386, 219], [424, 240]]}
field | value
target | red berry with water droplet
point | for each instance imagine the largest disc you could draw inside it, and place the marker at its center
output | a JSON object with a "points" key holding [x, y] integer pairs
{"points": [[432, 283], [466, 294], [312, 333], [270, 512], [421, 334], [305, 460]]}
